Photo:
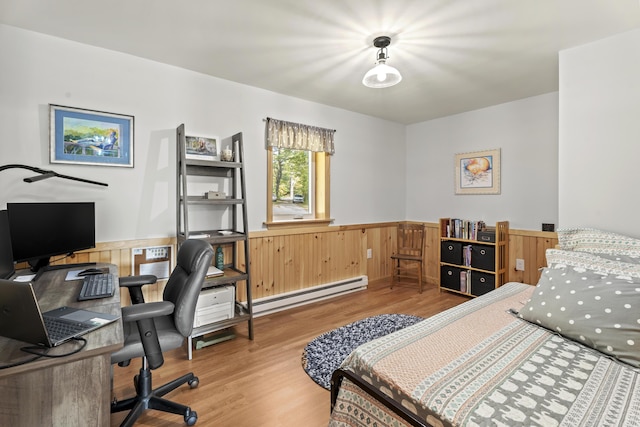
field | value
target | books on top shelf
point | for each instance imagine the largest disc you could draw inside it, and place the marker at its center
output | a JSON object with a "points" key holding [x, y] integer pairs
{"points": [[463, 228]]}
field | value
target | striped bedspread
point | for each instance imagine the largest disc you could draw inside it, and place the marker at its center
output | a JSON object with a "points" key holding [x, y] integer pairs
{"points": [[478, 365]]}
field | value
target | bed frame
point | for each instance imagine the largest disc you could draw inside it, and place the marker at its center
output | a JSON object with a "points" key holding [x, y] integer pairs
{"points": [[340, 374]]}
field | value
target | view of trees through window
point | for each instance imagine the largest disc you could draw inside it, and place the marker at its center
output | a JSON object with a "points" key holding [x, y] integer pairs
{"points": [[291, 179]]}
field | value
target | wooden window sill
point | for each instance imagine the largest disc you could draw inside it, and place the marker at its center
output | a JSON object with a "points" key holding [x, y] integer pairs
{"points": [[298, 223]]}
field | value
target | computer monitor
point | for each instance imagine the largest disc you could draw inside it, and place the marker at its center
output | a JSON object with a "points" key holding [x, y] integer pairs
{"points": [[7, 267], [42, 230]]}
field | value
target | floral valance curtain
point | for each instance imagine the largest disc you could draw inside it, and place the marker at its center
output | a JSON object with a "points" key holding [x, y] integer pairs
{"points": [[296, 136]]}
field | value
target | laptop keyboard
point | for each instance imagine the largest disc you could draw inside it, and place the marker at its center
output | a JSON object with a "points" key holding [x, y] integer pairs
{"points": [[59, 329], [97, 286]]}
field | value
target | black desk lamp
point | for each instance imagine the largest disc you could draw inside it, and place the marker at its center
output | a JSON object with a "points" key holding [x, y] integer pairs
{"points": [[44, 174]]}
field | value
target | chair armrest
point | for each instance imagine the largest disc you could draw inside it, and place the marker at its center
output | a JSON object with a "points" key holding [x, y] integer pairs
{"points": [[128, 281], [133, 313], [135, 284], [144, 315]]}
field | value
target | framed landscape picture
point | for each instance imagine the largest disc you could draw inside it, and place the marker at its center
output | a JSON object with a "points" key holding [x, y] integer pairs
{"points": [[478, 172], [89, 137], [202, 148]]}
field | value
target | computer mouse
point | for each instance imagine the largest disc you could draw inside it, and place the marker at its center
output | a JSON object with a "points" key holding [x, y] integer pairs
{"points": [[90, 271]]}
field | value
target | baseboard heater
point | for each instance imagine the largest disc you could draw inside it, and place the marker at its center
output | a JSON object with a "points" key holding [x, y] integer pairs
{"points": [[272, 304]]}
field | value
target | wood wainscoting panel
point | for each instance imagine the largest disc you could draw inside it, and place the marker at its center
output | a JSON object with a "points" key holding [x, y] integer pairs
{"points": [[295, 260], [431, 261], [288, 260], [530, 246], [382, 242]]}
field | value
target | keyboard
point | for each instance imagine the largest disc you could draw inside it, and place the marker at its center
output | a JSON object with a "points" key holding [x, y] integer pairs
{"points": [[97, 286], [59, 329]]}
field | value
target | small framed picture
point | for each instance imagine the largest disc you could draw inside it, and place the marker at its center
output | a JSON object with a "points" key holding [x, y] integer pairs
{"points": [[478, 172], [202, 148], [90, 137]]}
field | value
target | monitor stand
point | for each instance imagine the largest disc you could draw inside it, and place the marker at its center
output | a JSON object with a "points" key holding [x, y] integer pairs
{"points": [[41, 266]]}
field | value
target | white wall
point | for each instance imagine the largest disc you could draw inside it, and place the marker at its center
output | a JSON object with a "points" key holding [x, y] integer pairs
{"points": [[600, 135], [584, 177], [526, 131], [39, 70]]}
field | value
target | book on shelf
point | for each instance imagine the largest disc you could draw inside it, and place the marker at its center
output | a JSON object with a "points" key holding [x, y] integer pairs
{"points": [[466, 255], [213, 272], [465, 280]]}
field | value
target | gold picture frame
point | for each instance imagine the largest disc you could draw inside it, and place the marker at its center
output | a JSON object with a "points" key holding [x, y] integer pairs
{"points": [[478, 172]]}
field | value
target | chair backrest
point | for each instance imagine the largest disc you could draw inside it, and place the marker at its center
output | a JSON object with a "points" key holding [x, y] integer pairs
{"points": [[185, 282], [410, 239]]}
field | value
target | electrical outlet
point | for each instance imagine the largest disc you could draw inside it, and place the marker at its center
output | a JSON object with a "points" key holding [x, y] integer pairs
{"points": [[519, 264], [369, 253]]}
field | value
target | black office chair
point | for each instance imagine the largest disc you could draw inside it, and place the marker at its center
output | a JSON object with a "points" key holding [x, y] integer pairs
{"points": [[155, 327]]}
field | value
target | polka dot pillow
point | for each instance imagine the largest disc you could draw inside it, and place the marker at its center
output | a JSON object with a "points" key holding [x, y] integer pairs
{"points": [[599, 310], [598, 242], [612, 264]]}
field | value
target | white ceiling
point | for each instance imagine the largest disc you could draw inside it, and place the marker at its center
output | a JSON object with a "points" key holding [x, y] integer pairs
{"points": [[454, 55]]}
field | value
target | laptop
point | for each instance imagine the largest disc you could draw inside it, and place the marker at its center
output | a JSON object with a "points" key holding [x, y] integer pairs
{"points": [[21, 318]]}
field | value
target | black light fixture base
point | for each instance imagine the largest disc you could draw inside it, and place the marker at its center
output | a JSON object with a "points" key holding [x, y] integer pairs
{"points": [[382, 41]]}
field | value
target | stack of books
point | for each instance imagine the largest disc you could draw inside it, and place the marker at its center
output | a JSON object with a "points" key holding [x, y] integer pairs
{"points": [[463, 229]]}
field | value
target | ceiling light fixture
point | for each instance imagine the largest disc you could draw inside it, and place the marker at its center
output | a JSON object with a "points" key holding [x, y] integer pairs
{"points": [[382, 75]]}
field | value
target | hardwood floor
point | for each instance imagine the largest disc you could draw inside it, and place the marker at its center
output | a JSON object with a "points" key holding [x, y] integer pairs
{"points": [[262, 382]]}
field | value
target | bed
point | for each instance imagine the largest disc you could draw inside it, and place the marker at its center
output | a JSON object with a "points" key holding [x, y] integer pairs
{"points": [[564, 352]]}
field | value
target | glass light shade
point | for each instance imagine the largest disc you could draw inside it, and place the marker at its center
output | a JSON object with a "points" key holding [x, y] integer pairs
{"points": [[382, 75]]}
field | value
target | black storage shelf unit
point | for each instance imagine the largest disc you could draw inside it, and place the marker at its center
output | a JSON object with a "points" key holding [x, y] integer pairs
{"points": [[470, 266]]}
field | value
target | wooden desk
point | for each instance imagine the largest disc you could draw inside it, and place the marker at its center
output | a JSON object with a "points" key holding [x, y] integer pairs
{"points": [[69, 391]]}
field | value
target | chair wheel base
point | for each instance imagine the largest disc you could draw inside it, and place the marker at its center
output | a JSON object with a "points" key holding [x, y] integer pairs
{"points": [[147, 398], [190, 418], [194, 382]]}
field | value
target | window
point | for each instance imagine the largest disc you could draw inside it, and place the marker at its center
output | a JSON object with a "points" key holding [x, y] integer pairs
{"points": [[292, 184], [298, 174], [298, 184]]}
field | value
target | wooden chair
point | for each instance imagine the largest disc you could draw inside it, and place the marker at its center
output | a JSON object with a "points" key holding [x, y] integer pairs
{"points": [[407, 261]]}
